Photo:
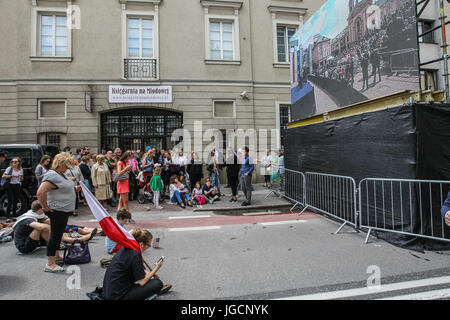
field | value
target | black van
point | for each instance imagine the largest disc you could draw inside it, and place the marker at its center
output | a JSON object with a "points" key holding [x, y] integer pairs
{"points": [[30, 154]]}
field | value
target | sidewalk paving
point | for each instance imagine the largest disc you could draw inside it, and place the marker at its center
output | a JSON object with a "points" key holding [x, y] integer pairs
{"points": [[222, 207]]}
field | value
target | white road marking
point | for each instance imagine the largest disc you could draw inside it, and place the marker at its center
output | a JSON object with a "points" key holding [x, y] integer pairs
{"points": [[281, 222], [93, 220], [189, 217], [428, 295], [194, 228], [367, 291], [260, 214]]}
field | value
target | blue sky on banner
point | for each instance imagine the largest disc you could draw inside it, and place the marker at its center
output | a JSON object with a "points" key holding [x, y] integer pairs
{"points": [[328, 21]]}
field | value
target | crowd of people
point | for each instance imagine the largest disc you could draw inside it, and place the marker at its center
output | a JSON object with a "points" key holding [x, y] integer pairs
{"points": [[113, 177]]}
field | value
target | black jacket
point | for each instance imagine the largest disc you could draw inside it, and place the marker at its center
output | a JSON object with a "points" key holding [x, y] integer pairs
{"points": [[233, 167]]}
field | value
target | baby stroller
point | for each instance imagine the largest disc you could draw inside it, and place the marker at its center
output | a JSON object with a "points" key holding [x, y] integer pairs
{"points": [[145, 193]]}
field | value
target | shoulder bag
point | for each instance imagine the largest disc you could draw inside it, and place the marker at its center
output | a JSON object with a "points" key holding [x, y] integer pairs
{"points": [[77, 253]]}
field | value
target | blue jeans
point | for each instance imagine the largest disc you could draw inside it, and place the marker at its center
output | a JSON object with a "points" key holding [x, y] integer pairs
{"points": [[215, 181], [177, 197]]}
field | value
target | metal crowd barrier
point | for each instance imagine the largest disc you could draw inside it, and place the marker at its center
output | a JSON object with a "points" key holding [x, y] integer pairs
{"points": [[291, 186], [410, 207], [332, 195]]}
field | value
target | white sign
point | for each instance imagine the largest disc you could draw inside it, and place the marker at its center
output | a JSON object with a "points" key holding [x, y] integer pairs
{"points": [[133, 94], [88, 105]]}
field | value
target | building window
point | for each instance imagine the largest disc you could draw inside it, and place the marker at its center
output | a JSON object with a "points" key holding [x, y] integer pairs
{"points": [[223, 109], [51, 38], [222, 31], [428, 80], [53, 35], [284, 33], [52, 109], [53, 139], [285, 118], [221, 40], [424, 26], [140, 38]]}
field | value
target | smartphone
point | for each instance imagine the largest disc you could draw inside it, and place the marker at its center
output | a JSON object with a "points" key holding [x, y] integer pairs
{"points": [[162, 258]]}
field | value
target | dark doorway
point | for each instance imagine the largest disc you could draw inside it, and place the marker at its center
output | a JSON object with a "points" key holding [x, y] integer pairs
{"points": [[137, 128]]}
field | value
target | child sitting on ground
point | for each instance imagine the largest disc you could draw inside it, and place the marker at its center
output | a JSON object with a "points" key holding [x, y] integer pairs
{"points": [[197, 194], [210, 192], [156, 186], [123, 218]]}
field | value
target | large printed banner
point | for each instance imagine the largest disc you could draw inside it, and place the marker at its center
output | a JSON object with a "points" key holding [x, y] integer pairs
{"points": [[350, 51]]}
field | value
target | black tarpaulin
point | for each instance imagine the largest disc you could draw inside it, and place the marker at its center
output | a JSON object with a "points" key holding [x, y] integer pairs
{"points": [[405, 142]]}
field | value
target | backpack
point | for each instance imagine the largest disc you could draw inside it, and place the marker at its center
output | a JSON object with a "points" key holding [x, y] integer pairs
{"points": [[201, 199], [4, 182]]}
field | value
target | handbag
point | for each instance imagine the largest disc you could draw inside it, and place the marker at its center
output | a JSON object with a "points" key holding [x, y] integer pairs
{"points": [[77, 253], [116, 177], [4, 183]]}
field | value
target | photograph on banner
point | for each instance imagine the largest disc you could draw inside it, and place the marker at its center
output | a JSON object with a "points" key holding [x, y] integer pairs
{"points": [[352, 51]]}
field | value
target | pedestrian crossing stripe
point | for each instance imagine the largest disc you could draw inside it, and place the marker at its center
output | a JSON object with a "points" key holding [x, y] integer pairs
{"points": [[370, 291]]}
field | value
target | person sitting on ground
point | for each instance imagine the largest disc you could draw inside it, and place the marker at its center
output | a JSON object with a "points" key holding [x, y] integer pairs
{"points": [[127, 279], [82, 230], [6, 232], [178, 192], [156, 186], [32, 230], [123, 218], [210, 192], [197, 194]]}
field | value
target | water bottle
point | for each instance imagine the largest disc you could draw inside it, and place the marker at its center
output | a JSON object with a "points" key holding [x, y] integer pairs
{"points": [[6, 239]]}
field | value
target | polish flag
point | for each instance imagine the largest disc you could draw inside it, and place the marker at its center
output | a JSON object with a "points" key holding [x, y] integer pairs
{"points": [[109, 226]]}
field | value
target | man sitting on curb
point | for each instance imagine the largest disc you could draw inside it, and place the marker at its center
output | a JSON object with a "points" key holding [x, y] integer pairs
{"points": [[32, 229]]}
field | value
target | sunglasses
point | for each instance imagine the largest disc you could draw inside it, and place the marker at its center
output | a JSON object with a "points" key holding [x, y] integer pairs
{"points": [[14, 161]]}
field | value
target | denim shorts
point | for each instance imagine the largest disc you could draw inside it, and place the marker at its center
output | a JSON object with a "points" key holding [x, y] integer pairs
{"points": [[72, 228]]}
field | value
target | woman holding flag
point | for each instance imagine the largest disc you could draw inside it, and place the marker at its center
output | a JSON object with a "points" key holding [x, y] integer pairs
{"points": [[126, 277]]}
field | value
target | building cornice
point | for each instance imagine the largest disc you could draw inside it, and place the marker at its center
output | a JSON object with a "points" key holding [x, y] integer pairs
{"points": [[125, 2], [35, 3], [285, 9], [236, 4]]}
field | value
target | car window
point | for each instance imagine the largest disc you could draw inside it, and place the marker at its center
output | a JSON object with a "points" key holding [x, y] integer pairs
{"points": [[51, 151], [22, 153]]}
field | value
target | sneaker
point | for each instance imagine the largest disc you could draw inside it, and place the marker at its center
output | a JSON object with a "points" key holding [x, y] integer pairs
{"points": [[159, 207], [245, 203], [211, 201], [54, 270], [153, 297], [6, 239], [165, 288]]}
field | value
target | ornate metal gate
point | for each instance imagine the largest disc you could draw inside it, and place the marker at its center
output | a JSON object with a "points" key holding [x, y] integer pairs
{"points": [[137, 128]]}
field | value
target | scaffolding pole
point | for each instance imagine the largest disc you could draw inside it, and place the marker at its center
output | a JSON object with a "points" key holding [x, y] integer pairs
{"points": [[444, 49]]}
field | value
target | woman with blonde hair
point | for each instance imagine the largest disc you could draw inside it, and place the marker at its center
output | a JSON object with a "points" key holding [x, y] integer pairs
{"points": [[14, 177], [101, 180], [126, 277], [57, 197]]}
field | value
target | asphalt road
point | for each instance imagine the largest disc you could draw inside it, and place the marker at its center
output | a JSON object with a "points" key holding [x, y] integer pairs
{"points": [[252, 257]]}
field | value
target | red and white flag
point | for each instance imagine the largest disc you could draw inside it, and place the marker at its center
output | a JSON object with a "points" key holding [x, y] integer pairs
{"points": [[109, 226]]}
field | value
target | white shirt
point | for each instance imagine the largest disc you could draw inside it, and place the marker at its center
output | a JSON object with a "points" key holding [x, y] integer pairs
{"points": [[267, 160], [182, 160]]}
